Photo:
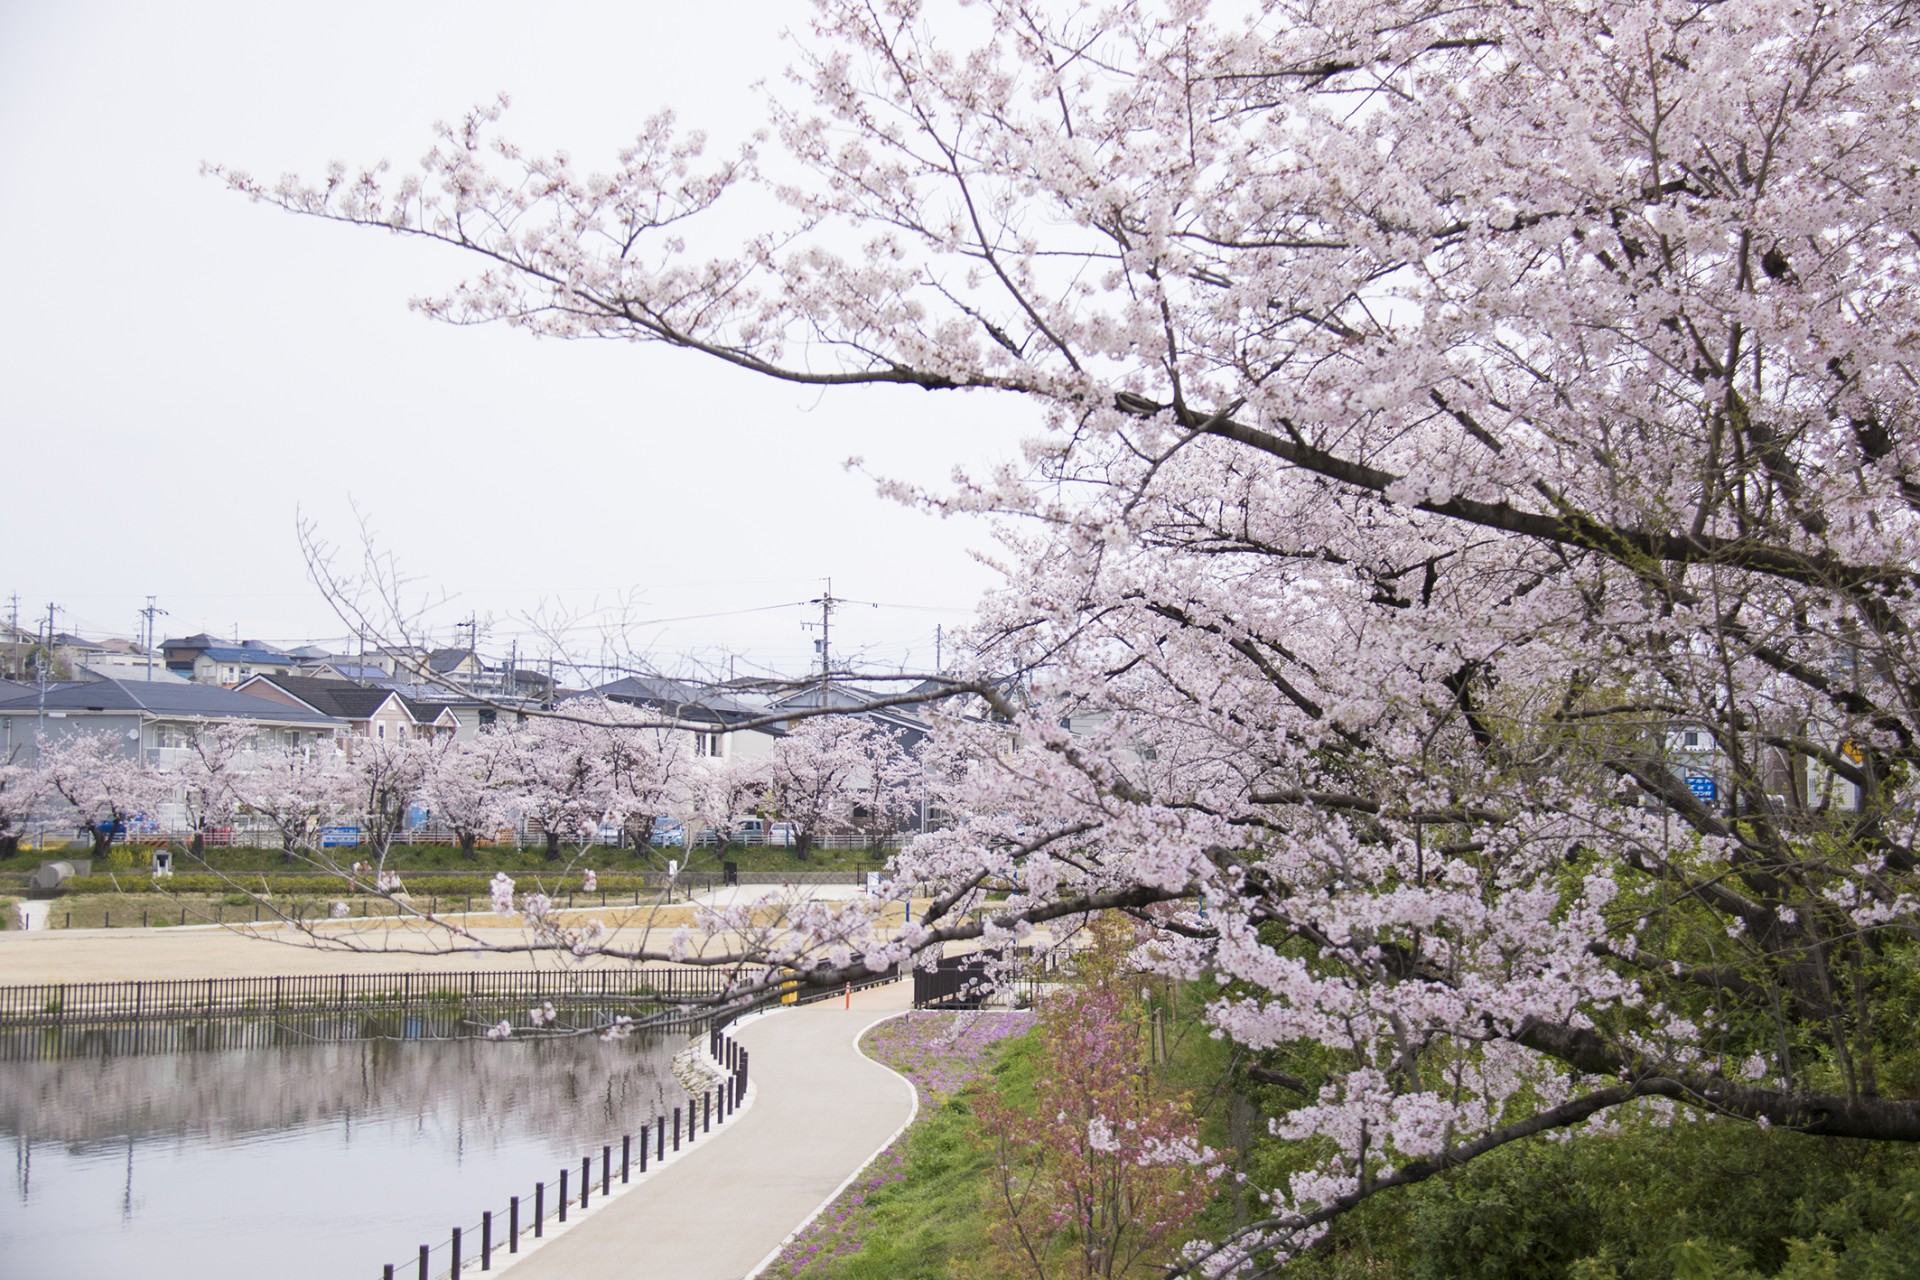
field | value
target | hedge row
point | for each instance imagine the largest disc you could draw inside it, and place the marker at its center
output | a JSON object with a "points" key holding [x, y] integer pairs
{"points": [[613, 886]]}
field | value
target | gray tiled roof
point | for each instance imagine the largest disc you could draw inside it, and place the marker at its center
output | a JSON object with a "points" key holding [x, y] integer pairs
{"points": [[168, 701], [678, 698]]}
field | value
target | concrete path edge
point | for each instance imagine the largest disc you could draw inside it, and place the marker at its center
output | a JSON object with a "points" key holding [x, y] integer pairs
{"points": [[913, 1114]]}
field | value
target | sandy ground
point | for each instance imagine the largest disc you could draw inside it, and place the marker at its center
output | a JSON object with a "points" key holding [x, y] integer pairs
{"points": [[353, 946]]}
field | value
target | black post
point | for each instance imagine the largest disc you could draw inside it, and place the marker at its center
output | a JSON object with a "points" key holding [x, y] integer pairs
{"points": [[486, 1240], [660, 1139], [644, 1145], [676, 1128], [606, 1168], [423, 1263], [563, 1195], [539, 1209], [706, 1112], [386, 1273], [513, 1225], [626, 1158], [456, 1251], [586, 1179]]}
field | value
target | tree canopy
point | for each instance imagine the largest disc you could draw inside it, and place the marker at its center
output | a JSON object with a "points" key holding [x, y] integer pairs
{"points": [[1473, 532]]}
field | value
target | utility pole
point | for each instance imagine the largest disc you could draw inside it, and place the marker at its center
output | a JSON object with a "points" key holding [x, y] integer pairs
{"points": [[472, 624], [149, 613], [939, 634], [827, 602], [40, 670]]}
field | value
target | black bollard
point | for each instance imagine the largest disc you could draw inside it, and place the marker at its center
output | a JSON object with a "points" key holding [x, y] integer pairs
{"points": [[486, 1240], [456, 1251], [586, 1179], [706, 1112], [644, 1145], [660, 1139], [606, 1168], [626, 1158], [513, 1225], [563, 1195], [539, 1209], [423, 1263], [676, 1128]]}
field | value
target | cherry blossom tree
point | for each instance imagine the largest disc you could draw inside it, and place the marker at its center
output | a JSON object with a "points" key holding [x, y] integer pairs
{"points": [[648, 769], [104, 787], [21, 789], [383, 781], [719, 792], [208, 781], [298, 790], [1462, 589], [564, 776], [469, 785], [833, 773]]}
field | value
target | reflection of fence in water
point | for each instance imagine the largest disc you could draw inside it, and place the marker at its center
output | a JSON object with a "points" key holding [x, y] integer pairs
{"points": [[229, 1082], [103, 1039]]}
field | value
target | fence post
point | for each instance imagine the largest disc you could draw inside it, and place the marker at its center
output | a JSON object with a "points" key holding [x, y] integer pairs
{"points": [[563, 1195], [423, 1264], [586, 1179], [644, 1144], [676, 1128], [606, 1167], [456, 1251], [513, 1225], [660, 1144], [706, 1112], [386, 1272], [539, 1209], [626, 1158], [486, 1240]]}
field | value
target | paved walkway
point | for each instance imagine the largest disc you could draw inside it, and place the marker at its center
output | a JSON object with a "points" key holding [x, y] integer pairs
{"points": [[820, 1111]]}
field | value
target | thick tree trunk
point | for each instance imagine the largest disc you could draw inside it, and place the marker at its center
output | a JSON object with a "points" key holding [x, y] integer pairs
{"points": [[467, 840], [553, 846], [9, 845], [102, 839]]}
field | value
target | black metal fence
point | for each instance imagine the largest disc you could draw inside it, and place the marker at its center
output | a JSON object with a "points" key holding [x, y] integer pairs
{"points": [[501, 1230], [965, 982], [58, 1003]]}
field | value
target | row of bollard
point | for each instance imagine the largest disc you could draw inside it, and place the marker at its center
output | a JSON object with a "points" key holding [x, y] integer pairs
{"points": [[714, 1106]]}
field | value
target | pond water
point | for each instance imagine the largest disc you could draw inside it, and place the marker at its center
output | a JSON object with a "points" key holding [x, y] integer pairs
{"points": [[236, 1153]]}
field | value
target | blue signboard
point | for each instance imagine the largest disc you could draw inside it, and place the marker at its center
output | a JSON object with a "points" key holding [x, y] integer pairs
{"points": [[1702, 788], [339, 837]]}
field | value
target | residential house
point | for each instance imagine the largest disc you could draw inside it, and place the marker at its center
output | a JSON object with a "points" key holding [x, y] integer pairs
{"points": [[152, 721], [231, 668], [367, 712], [712, 719]]}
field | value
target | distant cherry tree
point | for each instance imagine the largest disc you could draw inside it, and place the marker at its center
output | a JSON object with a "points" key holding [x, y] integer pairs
{"points": [[105, 789]]}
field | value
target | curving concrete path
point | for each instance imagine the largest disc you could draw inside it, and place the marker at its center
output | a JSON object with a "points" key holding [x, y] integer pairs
{"points": [[819, 1111]]}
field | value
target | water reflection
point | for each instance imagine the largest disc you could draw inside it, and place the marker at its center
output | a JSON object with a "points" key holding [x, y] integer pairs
{"points": [[326, 1157]]}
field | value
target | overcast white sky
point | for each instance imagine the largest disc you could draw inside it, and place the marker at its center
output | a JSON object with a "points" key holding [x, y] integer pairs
{"points": [[184, 371]]}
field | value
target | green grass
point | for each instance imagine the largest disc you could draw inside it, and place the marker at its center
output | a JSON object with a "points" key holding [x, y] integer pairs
{"points": [[920, 1209]]}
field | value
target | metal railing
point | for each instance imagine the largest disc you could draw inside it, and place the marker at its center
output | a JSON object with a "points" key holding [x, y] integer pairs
{"points": [[56, 1003], [501, 1230]]}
